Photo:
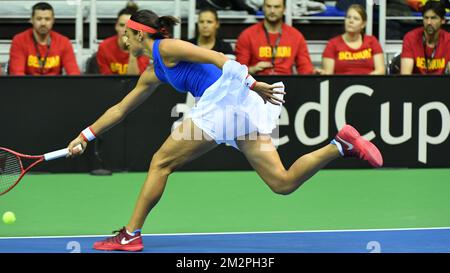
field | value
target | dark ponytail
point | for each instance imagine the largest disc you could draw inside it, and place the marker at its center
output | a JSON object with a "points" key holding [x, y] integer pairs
{"points": [[163, 24]]}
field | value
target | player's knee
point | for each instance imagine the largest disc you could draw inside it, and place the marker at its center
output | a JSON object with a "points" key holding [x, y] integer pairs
{"points": [[281, 185], [282, 189], [161, 162]]}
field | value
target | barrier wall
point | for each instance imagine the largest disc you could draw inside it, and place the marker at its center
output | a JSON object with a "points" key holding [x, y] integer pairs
{"points": [[407, 117]]}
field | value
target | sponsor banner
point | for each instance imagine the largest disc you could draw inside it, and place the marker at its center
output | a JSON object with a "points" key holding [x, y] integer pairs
{"points": [[406, 117]]}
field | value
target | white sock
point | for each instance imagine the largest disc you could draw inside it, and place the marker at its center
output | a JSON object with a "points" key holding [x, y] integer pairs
{"points": [[132, 233], [339, 146]]}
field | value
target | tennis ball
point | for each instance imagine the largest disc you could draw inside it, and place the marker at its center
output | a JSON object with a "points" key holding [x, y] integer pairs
{"points": [[9, 218]]}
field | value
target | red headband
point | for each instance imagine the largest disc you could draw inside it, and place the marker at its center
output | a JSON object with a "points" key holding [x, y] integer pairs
{"points": [[138, 26]]}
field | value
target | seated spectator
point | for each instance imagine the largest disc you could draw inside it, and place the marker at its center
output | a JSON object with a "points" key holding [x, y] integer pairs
{"points": [[208, 25], [271, 46], [426, 50], [353, 52], [40, 50], [113, 57]]}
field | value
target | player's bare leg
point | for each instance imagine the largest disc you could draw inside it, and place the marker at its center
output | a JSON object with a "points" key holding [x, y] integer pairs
{"points": [[265, 159], [174, 153], [186, 143]]}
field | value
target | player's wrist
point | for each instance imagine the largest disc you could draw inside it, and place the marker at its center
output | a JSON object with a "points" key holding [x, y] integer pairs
{"points": [[88, 134], [250, 82]]}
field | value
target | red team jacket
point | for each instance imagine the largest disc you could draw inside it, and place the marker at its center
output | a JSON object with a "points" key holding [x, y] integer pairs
{"points": [[352, 61], [23, 59], [112, 59], [252, 47], [413, 48]]}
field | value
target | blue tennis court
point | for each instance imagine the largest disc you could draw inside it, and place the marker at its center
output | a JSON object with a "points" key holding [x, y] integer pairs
{"points": [[432, 240]]}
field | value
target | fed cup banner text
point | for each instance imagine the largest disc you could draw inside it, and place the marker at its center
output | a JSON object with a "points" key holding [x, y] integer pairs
{"points": [[406, 117]]}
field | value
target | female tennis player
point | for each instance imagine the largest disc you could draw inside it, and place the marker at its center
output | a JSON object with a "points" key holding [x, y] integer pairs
{"points": [[231, 107]]}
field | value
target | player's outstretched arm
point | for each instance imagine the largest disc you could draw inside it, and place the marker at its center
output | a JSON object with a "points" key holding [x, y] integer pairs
{"points": [[174, 51], [145, 86]]}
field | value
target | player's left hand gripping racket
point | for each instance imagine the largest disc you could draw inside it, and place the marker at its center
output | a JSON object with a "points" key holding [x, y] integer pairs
{"points": [[12, 169]]}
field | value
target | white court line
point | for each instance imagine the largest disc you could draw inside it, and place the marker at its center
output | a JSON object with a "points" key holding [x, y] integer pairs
{"points": [[236, 233]]}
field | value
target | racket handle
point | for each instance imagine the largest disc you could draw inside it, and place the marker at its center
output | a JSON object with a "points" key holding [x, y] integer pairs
{"points": [[59, 153]]}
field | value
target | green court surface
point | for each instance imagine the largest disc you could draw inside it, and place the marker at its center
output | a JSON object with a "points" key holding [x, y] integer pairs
{"points": [[81, 204]]}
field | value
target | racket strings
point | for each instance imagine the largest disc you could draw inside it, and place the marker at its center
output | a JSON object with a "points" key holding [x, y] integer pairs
{"points": [[10, 170]]}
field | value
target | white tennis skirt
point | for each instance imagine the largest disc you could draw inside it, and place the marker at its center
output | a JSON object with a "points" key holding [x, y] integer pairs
{"points": [[228, 110]]}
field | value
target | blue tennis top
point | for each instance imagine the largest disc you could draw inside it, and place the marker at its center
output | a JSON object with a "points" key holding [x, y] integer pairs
{"points": [[185, 76]]}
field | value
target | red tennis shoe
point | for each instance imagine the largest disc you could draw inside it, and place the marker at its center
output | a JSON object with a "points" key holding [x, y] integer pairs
{"points": [[354, 145], [122, 241]]}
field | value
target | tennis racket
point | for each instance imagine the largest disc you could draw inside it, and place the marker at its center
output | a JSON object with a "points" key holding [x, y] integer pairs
{"points": [[12, 169]]}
